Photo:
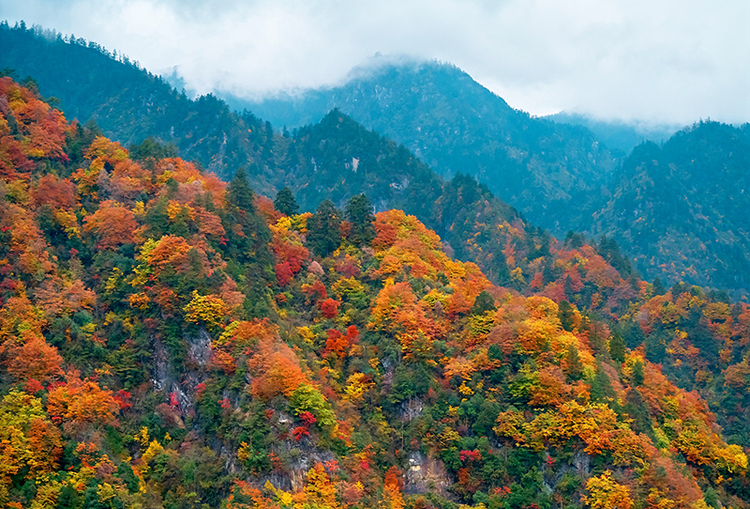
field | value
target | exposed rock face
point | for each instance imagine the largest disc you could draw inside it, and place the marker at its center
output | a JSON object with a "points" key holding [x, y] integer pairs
{"points": [[301, 458], [411, 409], [200, 347], [426, 475]]}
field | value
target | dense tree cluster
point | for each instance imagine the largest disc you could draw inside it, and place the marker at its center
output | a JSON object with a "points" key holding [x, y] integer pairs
{"points": [[169, 340]]}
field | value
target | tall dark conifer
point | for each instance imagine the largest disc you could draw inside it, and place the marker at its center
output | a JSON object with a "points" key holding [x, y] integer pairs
{"points": [[359, 213], [324, 229], [617, 348], [249, 246], [285, 202], [239, 193]]}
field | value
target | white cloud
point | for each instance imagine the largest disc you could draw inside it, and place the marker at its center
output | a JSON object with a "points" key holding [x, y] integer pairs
{"points": [[669, 61]]}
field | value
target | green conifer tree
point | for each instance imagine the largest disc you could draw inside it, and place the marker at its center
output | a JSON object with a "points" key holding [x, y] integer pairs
{"points": [[639, 375], [601, 386], [324, 229], [575, 366], [565, 314], [483, 303], [617, 348], [285, 202], [358, 212]]}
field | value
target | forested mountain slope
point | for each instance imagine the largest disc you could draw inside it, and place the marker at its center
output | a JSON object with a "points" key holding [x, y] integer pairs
{"points": [[682, 208], [128, 103], [337, 159], [679, 209], [318, 162], [168, 340], [618, 135], [456, 125]]}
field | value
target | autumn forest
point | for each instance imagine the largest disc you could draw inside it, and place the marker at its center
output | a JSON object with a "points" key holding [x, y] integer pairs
{"points": [[181, 337]]}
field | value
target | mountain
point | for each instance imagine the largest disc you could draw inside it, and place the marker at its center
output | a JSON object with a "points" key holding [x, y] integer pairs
{"points": [[682, 208], [171, 340], [334, 159], [618, 135], [318, 161], [128, 103], [455, 125]]}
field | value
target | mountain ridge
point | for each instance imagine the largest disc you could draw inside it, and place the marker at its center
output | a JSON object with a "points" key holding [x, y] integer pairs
{"points": [[556, 193], [456, 125], [171, 340]]}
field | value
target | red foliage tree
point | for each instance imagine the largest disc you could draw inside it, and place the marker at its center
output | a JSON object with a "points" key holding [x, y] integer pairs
{"points": [[284, 274], [340, 344], [35, 359], [55, 192], [330, 308], [315, 291]]}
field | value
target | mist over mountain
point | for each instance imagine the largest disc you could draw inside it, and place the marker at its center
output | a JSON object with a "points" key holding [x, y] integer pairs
{"points": [[334, 325], [618, 135], [556, 175], [128, 103], [456, 125], [334, 159], [562, 177], [682, 208]]}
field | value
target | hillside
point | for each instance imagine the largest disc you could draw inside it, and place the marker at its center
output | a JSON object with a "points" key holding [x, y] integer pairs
{"points": [[455, 125], [128, 103], [338, 155], [617, 135], [676, 226], [131, 105], [681, 209], [169, 340]]}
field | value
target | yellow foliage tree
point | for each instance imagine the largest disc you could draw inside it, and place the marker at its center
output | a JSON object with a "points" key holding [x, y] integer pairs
{"points": [[208, 309], [606, 493]]}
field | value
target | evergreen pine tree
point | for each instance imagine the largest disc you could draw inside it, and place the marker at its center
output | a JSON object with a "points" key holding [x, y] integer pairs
{"points": [[637, 409], [601, 386], [358, 211], [483, 303], [617, 348], [547, 274], [324, 229], [568, 287], [249, 248], [565, 314], [659, 288], [499, 268], [575, 366], [639, 375], [292, 159], [285, 202], [239, 193]]}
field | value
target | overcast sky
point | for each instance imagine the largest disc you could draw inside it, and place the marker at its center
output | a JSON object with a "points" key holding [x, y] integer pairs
{"points": [[655, 60]]}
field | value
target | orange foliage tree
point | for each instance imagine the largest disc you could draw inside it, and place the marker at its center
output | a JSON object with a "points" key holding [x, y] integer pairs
{"points": [[276, 370], [112, 225], [34, 359], [80, 402]]}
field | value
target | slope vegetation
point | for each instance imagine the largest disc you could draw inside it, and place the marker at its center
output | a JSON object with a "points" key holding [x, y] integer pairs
{"points": [[682, 209], [128, 103], [168, 340], [456, 125]]}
